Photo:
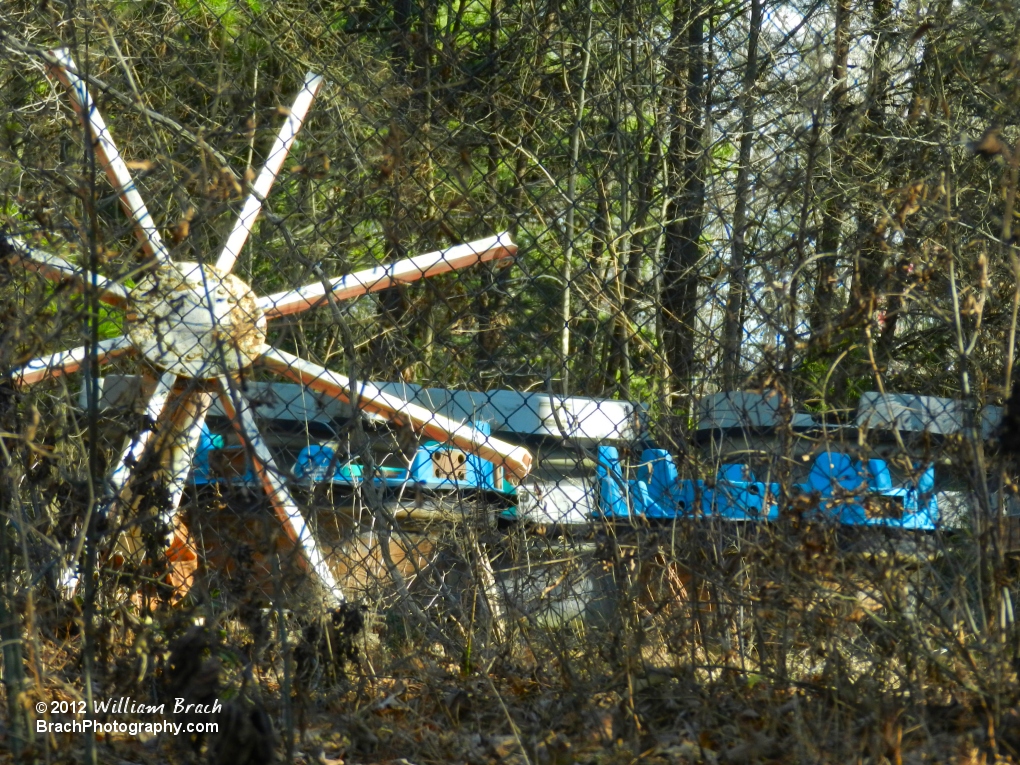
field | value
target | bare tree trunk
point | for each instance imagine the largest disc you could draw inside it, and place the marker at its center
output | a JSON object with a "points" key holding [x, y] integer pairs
{"points": [[922, 93], [871, 246], [639, 170], [733, 322], [619, 247], [793, 299], [393, 301], [685, 214], [603, 252], [489, 300], [568, 249], [495, 285], [824, 305], [411, 180], [869, 263], [10, 624], [648, 171]]}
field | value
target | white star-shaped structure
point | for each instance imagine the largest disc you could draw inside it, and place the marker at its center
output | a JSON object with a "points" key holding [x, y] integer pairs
{"points": [[196, 326]]}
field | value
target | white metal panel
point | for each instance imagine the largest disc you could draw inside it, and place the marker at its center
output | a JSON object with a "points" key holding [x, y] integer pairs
{"points": [[916, 414], [910, 413], [740, 409], [538, 414], [506, 411], [564, 501]]}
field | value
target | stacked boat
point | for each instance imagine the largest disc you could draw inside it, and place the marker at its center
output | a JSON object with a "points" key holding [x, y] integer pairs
{"points": [[860, 470], [751, 458]]}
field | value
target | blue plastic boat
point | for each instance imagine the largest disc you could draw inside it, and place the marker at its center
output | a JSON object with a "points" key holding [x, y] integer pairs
{"points": [[847, 492], [862, 493], [435, 466]]}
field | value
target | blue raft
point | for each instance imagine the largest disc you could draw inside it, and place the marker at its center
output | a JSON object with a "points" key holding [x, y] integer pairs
{"points": [[838, 489]]}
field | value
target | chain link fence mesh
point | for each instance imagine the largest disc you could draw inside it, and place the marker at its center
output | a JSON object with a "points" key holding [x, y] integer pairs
{"points": [[620, 366]]}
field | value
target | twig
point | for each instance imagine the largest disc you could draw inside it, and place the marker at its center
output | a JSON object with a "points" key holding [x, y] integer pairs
{"points": [[34, 51]]}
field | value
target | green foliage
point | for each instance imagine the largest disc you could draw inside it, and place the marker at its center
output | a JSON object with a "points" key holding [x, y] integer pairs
{"points": [[818, 373], [228, 15]]}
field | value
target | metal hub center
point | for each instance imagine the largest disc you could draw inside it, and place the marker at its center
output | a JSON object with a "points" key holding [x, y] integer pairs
{"points": [[195, 320]]}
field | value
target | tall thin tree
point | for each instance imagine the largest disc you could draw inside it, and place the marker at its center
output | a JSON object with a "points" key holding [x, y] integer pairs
{"points": [[733, 321], [686, 190]]}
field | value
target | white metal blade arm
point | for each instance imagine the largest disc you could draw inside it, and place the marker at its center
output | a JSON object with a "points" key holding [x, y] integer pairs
{"points": [[57, 269], [381, 277], [134, 448], [516, 459], [240, 413], [264, 182], [65, 362], [182, 433], [109, 157], [136, 445]]}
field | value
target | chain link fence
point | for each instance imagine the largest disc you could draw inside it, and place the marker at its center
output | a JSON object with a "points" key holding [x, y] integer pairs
{"points": [[624, 365]]}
